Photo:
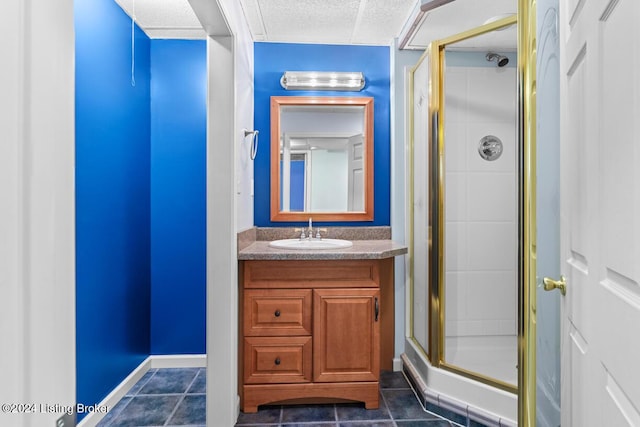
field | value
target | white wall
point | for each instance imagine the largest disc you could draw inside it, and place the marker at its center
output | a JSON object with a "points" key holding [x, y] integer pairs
{"points": [[224, 18], [229, 204], [548, 325], [243, 57], [480, 203], [37, 223], [311, 121]]}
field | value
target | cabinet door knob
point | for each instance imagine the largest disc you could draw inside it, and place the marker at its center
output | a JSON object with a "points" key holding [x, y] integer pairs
{"points": [[277, 313], [277, 361]]}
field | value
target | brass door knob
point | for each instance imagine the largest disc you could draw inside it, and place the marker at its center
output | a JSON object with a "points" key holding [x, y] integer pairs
{"points": [[550, 284]]}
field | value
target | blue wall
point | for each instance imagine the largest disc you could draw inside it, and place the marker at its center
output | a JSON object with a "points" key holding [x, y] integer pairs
{"points": [[178, 196], [140, 198], [272, 59], [112, 199]]}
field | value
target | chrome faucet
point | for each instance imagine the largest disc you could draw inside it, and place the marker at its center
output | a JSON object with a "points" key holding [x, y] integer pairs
{"points": [[310, 228], [319, 231], [301, 231]]}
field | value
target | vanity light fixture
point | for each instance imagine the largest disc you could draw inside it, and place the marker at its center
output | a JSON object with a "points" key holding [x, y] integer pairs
{"points": [[322, 80]]}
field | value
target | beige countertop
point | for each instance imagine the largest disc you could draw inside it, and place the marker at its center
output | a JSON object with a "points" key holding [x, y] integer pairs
{"points": [[361, 249]]}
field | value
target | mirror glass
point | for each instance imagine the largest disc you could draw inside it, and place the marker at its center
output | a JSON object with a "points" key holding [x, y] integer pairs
{"points": [[321, 158]]}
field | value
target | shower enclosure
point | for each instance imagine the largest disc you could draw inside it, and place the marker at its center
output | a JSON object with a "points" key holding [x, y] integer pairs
{"points": [[479, 276], [465, 220]]}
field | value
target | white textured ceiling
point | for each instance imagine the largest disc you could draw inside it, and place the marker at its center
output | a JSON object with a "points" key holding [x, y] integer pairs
{"points": [[372, 22], [369, 22], [164, 19]]}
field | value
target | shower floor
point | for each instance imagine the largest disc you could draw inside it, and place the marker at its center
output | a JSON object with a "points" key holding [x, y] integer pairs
{"points": [[494, 356]]}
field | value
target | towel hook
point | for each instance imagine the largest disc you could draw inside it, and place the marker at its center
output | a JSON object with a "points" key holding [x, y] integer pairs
{"points": [[254, 141]]}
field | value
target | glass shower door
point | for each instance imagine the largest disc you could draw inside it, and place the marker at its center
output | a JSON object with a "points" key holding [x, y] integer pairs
{"points": [[420, 217], [479, 205]]}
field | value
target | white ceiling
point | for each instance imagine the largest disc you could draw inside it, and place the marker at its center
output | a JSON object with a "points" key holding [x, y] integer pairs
{"points": [[369, 22], [461, 15], [164, 19]]}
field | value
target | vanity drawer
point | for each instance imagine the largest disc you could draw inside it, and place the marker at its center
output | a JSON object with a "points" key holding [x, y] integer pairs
{"points": [[311, 274], [269, 312], [270, 360]]}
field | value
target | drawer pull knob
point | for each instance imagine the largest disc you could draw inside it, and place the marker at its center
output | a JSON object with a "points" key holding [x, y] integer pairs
{"points": [[277, 361], [277, 313]]}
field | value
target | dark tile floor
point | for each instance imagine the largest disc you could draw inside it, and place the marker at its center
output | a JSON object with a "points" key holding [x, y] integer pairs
{"points": [[162, 397], [176, 397], [399, 407]]}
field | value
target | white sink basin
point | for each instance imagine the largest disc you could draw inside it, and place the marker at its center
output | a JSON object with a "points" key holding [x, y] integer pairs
{"points": [[311, 244]]}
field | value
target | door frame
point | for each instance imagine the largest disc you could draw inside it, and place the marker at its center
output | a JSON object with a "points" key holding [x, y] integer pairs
{"points": [[527, 60]]}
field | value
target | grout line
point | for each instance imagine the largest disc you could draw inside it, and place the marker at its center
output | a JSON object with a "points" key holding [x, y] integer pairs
{"points": [[384, 399], [192, 382], [184, 394], [119, 413], [174, 410], [153, 374]]}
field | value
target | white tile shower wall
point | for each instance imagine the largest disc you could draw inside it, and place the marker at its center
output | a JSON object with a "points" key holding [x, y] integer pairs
{"points": [[480, 203]]}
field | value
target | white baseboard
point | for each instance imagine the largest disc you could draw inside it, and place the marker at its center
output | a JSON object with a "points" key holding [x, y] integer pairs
{"points": [[178, 361], [92, 419], [397, 364], [151, 362], [237, 407]]}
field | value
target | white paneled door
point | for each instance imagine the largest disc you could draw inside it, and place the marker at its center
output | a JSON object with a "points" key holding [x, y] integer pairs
{"points": [[600, 212]]}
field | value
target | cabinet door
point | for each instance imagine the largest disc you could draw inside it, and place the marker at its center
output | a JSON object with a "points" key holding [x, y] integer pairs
{"points": [[346, 334]]}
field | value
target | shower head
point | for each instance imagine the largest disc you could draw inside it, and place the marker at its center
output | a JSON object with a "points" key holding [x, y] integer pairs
{"points": [[501, 61]]}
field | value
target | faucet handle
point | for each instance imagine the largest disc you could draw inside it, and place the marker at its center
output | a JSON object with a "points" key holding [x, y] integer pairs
{"points": [[318, 230], [301, 231]]}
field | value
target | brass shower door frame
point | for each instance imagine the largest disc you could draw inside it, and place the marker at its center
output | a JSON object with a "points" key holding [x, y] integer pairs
{"points": [[527, 298], [437, 114]]}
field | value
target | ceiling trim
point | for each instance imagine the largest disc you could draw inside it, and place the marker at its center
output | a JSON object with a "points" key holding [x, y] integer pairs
{"points": [[212, 17], [420, 15]]}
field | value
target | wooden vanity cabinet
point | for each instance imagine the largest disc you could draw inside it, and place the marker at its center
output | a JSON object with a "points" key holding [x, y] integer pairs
{"points": [[314, 331]]}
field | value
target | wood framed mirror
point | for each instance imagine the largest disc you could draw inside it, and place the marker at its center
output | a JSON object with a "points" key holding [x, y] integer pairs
{"points": [[321, 158]]}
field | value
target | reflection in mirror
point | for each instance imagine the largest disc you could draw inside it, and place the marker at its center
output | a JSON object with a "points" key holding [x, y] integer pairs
{"points": [[315, 165], [321, 158], [481, 206]]}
